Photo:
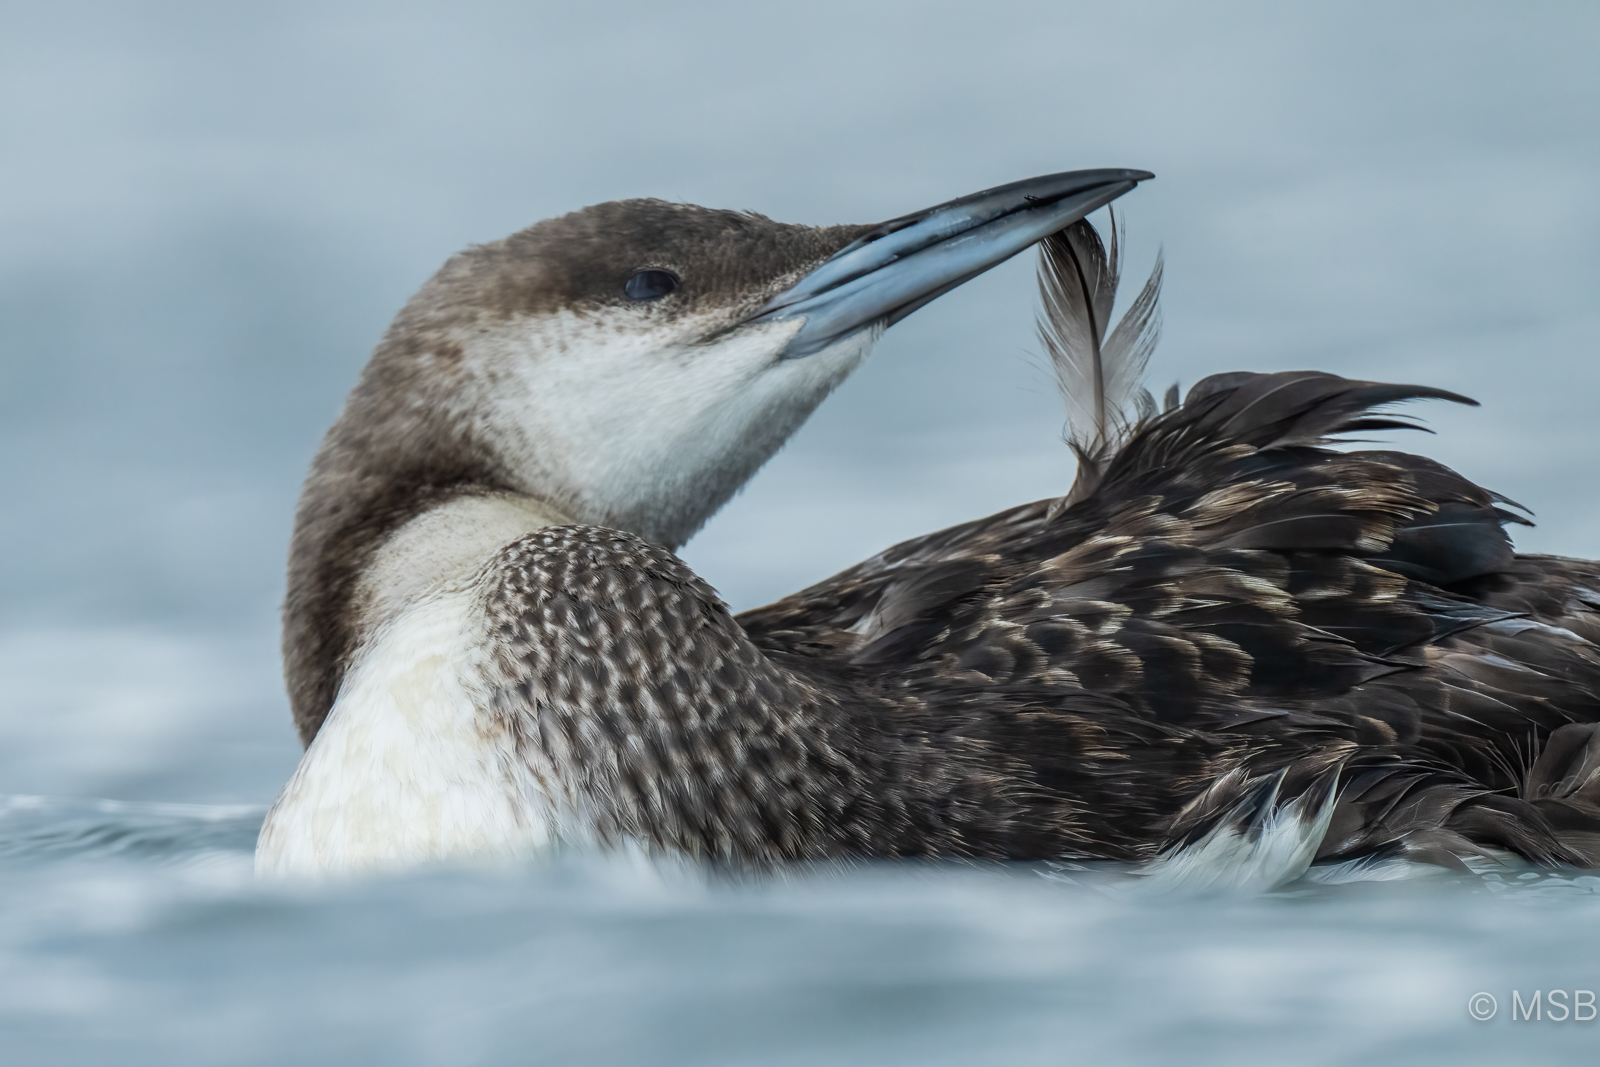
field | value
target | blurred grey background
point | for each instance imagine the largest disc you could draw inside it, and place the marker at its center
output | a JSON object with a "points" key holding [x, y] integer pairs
{"points": [[210, 211]]}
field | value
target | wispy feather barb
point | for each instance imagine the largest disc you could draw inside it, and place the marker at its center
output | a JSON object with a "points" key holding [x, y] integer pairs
{"points": [[1099, 370]]}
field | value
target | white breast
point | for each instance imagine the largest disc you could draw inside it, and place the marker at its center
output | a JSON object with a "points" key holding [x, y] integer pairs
{"points": [[410, 765], [407, 769]]}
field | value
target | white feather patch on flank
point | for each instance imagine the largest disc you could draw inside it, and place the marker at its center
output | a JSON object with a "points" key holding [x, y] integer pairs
{"points": [[406, 769], [1247, 852], [1373, 869]]}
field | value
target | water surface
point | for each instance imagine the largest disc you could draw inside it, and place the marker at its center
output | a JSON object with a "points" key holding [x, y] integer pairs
{"points": [[134, 933]]}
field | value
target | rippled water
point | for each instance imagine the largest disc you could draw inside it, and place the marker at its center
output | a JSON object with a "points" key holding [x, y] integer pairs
{"points": [[134, 933]]}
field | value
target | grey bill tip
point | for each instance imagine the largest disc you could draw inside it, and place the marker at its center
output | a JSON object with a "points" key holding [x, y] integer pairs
{"points": [[904, 263]]}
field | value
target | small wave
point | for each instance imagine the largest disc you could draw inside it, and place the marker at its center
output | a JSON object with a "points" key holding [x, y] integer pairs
{"points": [[48, 828]]}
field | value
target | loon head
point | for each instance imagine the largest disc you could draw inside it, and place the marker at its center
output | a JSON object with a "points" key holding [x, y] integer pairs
{"points": [[613, 363], [629, 365], [632, 364]]}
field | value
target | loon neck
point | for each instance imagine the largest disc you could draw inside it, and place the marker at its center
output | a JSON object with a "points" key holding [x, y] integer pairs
{"points": [[445, 548], [371, 538]]}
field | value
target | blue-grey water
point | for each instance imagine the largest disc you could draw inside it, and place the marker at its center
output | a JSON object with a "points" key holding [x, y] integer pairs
{"points": [[210, 211], [134, 933]]}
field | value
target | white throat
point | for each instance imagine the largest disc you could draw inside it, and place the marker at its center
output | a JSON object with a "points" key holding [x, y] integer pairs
{"points": [[637, 428]]}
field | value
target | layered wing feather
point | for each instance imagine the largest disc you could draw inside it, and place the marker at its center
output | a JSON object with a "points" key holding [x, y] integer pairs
{"points": [[1233, 603]]}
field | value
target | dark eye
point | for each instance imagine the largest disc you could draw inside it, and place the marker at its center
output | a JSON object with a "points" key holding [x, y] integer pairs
{"points": [[650, 285]]}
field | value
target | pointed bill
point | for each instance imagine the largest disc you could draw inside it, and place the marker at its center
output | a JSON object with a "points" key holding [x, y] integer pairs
{"points": [[904, 263]]}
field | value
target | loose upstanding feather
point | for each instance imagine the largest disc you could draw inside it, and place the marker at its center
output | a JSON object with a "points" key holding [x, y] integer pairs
{"points": [[1099, 370]]}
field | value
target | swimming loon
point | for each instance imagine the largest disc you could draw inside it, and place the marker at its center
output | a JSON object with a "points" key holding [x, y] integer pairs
{"points": [[1224, 627]]}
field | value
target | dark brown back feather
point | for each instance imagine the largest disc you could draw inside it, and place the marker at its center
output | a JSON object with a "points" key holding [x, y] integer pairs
{"points": [[1235, 597]]}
